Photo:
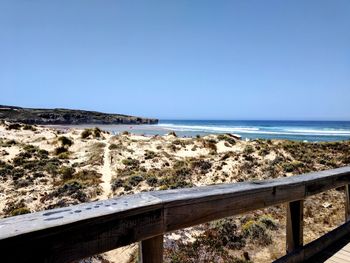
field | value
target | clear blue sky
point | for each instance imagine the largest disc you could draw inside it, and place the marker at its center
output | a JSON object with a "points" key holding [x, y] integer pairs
{"points": [[183, 59]]}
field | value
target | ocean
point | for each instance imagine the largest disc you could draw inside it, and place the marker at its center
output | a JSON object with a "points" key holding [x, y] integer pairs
{"points": [[311, 131]]}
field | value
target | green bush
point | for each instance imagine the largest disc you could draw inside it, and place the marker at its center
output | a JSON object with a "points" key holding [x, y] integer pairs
{"points": [[29, 127], [96, 132], [150, 155], [227, 138], [60, 150], [269, 222], [131, 162], [86, 133], [210, 144], [113, 146], [202, 166], [13, 126], [88, 177], [117, 183], [20, 211], [135, 180], [257, 232], [66, 172], [65, 142], [152, 181], [248, 149]]}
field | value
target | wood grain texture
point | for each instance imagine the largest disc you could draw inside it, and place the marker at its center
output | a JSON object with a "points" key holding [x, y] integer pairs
{"points": [[294, 231], [151, 250], [311, 252], [75, 232], [347, 203]]}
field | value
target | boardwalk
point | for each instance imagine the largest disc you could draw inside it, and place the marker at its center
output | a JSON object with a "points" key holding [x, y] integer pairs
{"points": [[79, 231], [336, 253]]}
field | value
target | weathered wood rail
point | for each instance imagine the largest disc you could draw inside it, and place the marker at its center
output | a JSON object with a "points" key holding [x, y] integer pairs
{"points": [[75, 232]]}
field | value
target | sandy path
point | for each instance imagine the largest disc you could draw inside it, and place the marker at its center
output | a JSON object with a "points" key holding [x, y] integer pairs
{"points": [[123, 254], [106, 171]]}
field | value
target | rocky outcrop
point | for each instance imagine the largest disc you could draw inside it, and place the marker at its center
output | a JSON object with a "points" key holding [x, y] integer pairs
{"points": [[66, 116]]}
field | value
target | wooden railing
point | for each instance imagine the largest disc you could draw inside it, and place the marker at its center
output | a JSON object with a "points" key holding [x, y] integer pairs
{"points": [[75, 232]]}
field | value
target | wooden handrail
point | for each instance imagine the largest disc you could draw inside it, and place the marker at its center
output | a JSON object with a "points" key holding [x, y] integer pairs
{"points": [[79, 231]]}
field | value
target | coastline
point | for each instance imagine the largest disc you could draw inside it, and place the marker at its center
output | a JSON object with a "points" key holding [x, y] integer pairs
{"points": [[43, 167], [311, 131]]}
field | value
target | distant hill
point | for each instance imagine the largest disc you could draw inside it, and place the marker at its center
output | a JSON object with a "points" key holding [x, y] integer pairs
{"points": [[67, 116]]}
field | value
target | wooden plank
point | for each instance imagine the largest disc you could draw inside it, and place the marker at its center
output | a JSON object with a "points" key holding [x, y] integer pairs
{"points": [[347, 203], [75, 232], [347, 248], [313, 248], [341, 256], [339, 259], [151, 250], [78, 232], [208, 209], [294, 231], [344, 253]]}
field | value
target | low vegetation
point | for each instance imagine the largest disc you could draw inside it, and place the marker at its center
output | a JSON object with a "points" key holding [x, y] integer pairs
{"points": [[66, 168]]}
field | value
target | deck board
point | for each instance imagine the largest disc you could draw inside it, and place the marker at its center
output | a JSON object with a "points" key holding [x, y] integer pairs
{"points": [[337, 253]]}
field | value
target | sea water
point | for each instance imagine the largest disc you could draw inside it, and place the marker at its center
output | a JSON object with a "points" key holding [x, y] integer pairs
{"points": [[311, 131], [291, 130]]}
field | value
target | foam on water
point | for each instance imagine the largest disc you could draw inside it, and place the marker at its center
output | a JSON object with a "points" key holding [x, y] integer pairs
{"points": [[295, 130], [256, 130]]}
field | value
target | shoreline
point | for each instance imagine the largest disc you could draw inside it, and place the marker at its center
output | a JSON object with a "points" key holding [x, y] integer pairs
{"points": [[250, 132], [43, 168]]}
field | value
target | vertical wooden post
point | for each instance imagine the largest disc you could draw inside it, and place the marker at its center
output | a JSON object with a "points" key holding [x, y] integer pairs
{"points": [[294, 225], [151, 250], [347, 203]]}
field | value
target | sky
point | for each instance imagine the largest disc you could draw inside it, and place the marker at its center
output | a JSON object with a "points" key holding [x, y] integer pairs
{"points": [[179, 59]]}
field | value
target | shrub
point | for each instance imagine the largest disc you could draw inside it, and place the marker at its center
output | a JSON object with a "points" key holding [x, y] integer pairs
{"points": [[152, 181], [131, 162], [7, 143], [65, 141], [86, 133], [135, 180], [201, 165], [269, 222], [60, 150], [13, 126], [72, 188], [227, 138], [257, 232], [51, 168], [29, 127], [117, 183], [226, 234], [172, 133], [291, 166], [64, 156], [248, 149], [20, 211], [30, 148], [150, 155], [88, 177], [96, 132], [113, 147], [210, 144], [66, 172]]}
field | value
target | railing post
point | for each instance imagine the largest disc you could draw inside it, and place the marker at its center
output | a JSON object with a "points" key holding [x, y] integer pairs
{"points": [[294, 225], [347, 203], [151, 250]]}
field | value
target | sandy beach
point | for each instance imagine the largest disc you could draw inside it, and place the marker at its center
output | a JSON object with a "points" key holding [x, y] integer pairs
{"points": [[45, 167]]}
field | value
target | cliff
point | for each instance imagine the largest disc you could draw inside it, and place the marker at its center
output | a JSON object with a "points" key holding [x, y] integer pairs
{"points": [[67, 116]]}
